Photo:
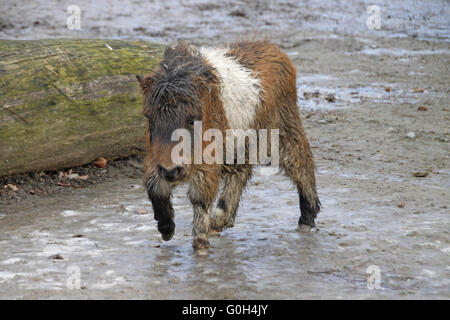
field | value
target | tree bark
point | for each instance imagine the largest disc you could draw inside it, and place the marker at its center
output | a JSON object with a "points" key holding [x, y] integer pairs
{"points": [[67, 102]]}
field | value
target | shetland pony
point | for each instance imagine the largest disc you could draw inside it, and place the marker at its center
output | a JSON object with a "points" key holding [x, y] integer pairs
{"points": [[246, 85]]}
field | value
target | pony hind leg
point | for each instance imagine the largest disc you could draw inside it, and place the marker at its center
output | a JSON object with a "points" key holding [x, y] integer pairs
{"points": [[297, 161], [235, 179]]}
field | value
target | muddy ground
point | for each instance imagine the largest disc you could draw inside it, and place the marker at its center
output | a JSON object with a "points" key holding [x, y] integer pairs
{"points": [[376, 108]]}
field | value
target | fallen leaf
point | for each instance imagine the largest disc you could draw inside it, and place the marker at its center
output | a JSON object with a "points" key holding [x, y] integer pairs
{"points": [[418, 90], [77, 176], [38, 190], [70, 185], [387, 89], [421, 174], [140, 211], [56, 257], [11, 187], [401, 205], [308, 95], [238, 13], [422, 108], [100, 162], [330, 98]]}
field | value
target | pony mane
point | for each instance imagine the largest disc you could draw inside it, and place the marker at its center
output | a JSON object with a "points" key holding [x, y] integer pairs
{"points": [[179, 76]]}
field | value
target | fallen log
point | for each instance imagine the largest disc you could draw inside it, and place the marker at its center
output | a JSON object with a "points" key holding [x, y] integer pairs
{"points": [[67, 102]]}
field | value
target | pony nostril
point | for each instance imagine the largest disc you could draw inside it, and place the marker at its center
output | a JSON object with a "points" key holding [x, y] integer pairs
{"points": [[176, 172], [172, 174], [180, 171], [161, 171]]}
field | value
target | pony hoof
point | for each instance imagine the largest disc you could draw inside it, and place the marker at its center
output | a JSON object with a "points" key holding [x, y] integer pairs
{"points": [[201, 244], [214, 232], [304, 228], [216, 224], [167, 236], [201, 252]]}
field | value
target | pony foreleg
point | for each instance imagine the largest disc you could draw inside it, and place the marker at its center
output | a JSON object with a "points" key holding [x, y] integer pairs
{"points": [[202, 192], [160, 194], [200, 229], [164, 215]]}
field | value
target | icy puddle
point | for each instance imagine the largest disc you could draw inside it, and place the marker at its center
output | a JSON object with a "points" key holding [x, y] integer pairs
{"points": [[399, 52], [102, 238], [324, 92]]}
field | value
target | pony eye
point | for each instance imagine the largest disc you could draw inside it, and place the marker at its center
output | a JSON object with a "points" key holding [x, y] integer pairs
{"points": [[191, 123]]}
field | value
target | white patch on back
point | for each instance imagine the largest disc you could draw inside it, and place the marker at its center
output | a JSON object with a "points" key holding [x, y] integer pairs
{"points": [[240, 92]]}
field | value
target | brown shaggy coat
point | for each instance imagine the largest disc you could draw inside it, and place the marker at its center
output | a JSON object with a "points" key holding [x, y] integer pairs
{"points": [[248, 85]]}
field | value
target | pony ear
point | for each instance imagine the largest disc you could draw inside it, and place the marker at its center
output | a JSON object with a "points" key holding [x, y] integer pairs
{"points": [[146, 82]]}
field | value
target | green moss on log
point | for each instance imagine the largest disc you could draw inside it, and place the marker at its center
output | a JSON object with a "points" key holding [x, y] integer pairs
{"points": [[66, 102]]}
